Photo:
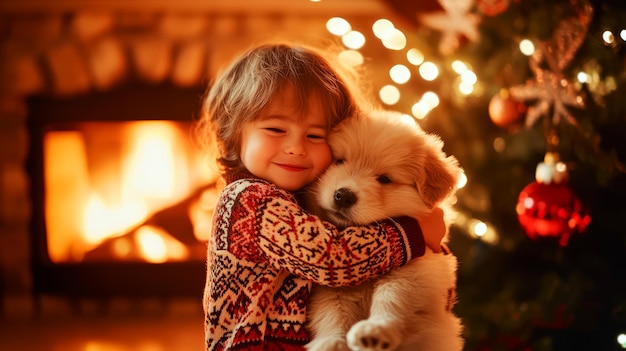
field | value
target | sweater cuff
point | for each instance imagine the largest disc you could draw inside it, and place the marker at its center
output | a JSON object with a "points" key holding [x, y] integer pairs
{"points": [[413, 236]]}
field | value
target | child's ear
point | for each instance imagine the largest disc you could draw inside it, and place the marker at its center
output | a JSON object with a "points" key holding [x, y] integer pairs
{"points": [[438, 179]]}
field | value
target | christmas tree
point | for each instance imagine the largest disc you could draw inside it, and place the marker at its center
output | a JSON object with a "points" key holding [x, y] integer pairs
{"points": [[530, 96]]}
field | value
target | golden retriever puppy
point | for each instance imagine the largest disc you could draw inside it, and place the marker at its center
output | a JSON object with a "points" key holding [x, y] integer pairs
{"points": [[387, 166]]}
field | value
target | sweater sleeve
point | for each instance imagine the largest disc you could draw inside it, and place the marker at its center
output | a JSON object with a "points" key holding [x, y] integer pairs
{"points": [[258, 221]]}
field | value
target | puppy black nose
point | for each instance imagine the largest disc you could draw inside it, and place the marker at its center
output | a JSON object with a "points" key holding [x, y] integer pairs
{"points": [[344, 198]]}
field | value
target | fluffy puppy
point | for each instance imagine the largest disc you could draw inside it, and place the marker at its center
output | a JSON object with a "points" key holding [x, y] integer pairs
{"points": [[387, 166]]}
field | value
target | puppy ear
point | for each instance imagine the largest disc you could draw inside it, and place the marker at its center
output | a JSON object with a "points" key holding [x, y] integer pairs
{"points": [[438, 179]]}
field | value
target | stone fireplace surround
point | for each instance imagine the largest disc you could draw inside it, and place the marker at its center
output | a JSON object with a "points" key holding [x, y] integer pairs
{"points": [[66, 49]]}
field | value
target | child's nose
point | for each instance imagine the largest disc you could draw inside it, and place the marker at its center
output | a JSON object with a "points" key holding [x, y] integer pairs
{"points": [[295, 147]]}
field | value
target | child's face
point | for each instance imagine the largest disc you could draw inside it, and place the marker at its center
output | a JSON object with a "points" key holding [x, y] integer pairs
{"points": [[285, 146]]}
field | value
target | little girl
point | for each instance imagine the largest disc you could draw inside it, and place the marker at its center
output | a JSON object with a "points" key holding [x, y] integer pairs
{"points": [[269, 114]]}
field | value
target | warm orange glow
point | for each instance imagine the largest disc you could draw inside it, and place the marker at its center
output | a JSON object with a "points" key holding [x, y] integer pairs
{"points": [[105, 181], [67, 185], [150, 165], [200, 214], [101, 221], [157, 246]]}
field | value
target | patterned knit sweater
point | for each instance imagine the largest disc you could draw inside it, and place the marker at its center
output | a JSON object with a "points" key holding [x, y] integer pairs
{"points": [[265, 252]]}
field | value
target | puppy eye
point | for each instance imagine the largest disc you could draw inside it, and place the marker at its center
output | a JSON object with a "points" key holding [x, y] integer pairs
{"points": [[383, 179], [339, 161]]}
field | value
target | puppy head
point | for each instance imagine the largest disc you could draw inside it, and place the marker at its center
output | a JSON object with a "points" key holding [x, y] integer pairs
{"points": [[384, 167]]}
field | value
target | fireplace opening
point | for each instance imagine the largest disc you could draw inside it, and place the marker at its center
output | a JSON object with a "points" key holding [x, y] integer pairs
{"points": [[122, 195]]}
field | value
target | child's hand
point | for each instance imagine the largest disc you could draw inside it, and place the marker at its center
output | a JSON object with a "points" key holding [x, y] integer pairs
{"points": [[434, 229]]}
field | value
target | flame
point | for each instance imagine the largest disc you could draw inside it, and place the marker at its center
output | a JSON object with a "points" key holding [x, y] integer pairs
{"points": [[114, 182], [157, 246], [101, 221], [66, 181], [150, 165]]}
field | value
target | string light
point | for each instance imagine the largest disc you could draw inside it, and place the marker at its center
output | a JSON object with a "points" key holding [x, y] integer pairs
{"points": [[459, 66], [415, 57], [469, 77], [396, 40], [391, 37], [582, 77], [400, 74], [466, 88], [353, 40], [382, 28], [429, 71], [338, 26], [527, 47], [622, 34], [621, 340], [429, 101], [351, 58], [420, 110], [608, 38], [480, 229], [389, 94]]}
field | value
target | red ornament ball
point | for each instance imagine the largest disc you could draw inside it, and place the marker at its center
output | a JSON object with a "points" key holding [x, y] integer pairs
{"points": [[551, 210], [504, 111]]}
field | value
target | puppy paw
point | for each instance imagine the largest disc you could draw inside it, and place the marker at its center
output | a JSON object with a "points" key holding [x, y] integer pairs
{"points": [[371, 336], [328, 344]]}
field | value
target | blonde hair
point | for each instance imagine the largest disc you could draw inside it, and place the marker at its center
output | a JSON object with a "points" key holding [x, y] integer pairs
{"points": [[242, 90]]}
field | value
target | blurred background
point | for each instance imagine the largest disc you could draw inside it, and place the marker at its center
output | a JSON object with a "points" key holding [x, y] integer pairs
{"points": [[105, 197]]}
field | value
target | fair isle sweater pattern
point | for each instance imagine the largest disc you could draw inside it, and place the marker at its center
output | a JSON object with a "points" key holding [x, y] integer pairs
{"points": [[264, 254]]}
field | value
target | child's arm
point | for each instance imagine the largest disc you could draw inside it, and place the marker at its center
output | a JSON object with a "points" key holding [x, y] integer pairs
{"points": [[266, 223]]}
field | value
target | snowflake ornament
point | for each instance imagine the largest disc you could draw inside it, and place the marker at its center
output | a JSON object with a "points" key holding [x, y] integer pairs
{"points": [[456, 20], [551, 88]]}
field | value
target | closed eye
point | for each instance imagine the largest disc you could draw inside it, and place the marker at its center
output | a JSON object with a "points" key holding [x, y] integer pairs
{"points": [[316, 138], [383, 179], [274, 130], [339, 161]]}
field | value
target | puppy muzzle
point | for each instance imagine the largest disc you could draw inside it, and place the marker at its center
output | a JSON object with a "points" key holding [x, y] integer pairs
{"points": [[344, 198]]}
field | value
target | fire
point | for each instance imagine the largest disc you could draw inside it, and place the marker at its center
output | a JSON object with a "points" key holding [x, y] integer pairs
{"points": [[101, 221], [150, 166], [158, 246], [113, 178]]}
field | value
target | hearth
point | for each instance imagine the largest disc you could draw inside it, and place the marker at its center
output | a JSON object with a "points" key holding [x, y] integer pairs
{"points": [[122, 195]]}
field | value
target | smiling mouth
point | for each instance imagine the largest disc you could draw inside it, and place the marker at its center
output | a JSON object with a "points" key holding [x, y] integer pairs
{"points": [[291, 168]]}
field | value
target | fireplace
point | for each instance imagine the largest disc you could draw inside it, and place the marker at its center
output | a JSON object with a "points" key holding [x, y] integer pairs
{"points": [[74, 67], [122, 194]]}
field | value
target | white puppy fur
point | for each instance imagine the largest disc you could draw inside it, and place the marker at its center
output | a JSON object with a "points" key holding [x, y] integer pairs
{"points": [[386, 167]]}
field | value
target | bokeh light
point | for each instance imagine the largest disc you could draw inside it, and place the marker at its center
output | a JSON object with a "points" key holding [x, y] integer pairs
{"points": [[389, 94], [350, 58], [353, 40], [338, 26], [415, 57], [400, 74], [382, 28], [527, 47], [429, 71], [396, 40]]}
